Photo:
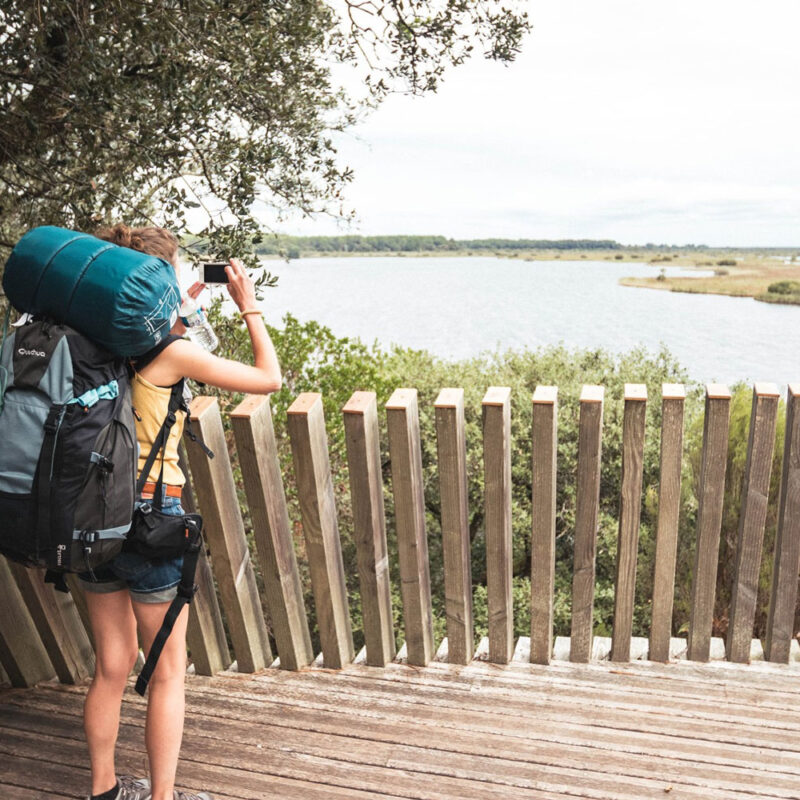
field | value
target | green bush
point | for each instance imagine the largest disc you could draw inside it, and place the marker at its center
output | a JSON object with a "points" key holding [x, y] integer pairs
{"points": [[314, 359], [784, 287]]}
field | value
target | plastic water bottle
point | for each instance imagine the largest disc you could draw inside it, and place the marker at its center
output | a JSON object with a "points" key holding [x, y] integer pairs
{"points": [[197, 326]]}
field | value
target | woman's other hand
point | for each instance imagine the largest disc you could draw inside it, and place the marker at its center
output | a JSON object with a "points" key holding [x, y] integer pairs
{"points": [[240, 285], [194, 291]]}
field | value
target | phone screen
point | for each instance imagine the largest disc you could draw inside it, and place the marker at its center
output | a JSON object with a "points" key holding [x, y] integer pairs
{"points": [[214, 271]]}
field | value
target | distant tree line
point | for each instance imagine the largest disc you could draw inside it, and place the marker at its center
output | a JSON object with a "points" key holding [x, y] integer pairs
{"points": [[293, 246]]}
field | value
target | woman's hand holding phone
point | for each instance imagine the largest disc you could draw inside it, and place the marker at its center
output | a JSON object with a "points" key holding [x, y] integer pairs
{"points": [[240, 285]]}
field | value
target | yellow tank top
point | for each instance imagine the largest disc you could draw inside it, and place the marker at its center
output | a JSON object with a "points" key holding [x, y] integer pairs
{"points": [[151, 403]]}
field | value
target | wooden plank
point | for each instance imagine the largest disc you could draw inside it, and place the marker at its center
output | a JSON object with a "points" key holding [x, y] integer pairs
{"points": [[630, 505], [205, 633], [59, 625], [586, 521], [263, 483], [451, 445], [614, 718], [499, 762], [709, 520], [599, 707], [578, 706], [786, 563], [232, 779], [306, 424], [694, 688], [22, 653], [752, 521], [498, 758], [8, 792], [669, 504], [224, 534], [544, 452], [42, 779], [362, 438], [402, 419], [496, 409]]}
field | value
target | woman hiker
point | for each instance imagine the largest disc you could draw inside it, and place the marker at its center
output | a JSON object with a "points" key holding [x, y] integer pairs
{"points": [[132, 593]]}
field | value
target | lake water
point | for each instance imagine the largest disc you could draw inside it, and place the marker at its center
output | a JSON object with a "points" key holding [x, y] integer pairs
{"points": [[456, 307]]}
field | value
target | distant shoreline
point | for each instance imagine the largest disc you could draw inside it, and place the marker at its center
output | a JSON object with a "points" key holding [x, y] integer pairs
{"points": [[739, 273], [750, 275]]}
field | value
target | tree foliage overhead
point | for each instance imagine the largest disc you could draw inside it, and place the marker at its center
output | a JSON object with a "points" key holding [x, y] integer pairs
{"points": [[144, 108]]}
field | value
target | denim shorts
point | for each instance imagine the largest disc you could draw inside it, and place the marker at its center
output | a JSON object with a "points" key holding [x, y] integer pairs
{"points": [[149, 580]]}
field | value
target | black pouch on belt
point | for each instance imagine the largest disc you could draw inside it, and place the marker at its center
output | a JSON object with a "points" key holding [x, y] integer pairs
{"points": [[155, 534]]}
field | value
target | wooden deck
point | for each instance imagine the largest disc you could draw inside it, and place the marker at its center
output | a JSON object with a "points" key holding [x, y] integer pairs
{"points": [[443, 732]]}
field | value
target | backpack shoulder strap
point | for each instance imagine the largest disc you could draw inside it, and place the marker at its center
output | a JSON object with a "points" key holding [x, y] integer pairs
{"points": [[160, 442], [140, 362]]}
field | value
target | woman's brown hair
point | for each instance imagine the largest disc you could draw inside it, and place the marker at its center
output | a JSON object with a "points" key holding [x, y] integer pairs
{"points": [[157, 242]]}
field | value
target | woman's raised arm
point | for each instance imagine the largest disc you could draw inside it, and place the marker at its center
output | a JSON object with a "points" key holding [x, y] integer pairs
{"points": [[185, 359]]}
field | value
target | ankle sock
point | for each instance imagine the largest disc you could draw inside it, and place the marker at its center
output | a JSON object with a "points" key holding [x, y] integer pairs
{"points": [[109, 795]]}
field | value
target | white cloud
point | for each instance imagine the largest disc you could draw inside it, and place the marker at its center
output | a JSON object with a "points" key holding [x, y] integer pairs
{"points": [[635, 121]]}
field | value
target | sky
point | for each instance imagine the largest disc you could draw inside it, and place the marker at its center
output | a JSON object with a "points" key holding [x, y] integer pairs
{"points": [[642, 122]]}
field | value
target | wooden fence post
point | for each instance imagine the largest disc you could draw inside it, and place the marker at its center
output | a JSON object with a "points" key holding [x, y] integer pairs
{"points": [[630, 506], [22, 653], [709, 519], [752, 520], [786, 566], [261, 471], [205, 633], [586, 520], [59, 625], [321, 530], [224, 532], [451, 445], [673, 398], [402, 417], [369, 525], [497, 487], [544, 453]]}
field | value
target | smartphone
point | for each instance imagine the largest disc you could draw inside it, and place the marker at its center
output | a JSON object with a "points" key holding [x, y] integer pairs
{"points": [[214, 271]]}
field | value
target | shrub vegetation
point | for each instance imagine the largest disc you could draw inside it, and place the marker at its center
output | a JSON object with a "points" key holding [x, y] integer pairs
{"points": [[315, 359]]}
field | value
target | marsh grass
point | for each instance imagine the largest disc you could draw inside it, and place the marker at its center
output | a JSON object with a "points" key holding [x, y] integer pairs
{"points": [[751, 277]]}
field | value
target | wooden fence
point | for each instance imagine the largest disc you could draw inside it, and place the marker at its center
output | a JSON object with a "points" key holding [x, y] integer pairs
{"points": [[45, 634]]}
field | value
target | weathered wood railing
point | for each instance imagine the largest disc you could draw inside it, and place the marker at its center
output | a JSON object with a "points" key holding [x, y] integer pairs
{"points": [[45, 634]]}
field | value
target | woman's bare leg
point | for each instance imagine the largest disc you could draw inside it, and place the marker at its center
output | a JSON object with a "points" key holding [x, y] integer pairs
{"points": [[165, 705], [114, 630]]}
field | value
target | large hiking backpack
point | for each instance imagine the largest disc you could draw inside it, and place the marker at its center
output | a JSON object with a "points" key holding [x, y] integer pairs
{"points": [[69, 460], [68, 453]]}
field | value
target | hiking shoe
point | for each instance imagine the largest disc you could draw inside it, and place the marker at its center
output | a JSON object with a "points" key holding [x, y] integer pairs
{"points": [[131, 788], [189, 796]]}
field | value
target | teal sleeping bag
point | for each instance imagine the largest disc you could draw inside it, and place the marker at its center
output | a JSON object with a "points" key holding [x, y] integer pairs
{"points": [[124, 300]]}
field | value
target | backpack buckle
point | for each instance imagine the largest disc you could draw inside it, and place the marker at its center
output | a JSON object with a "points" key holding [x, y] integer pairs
{"points": [[103, 464], [53, 421]]}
